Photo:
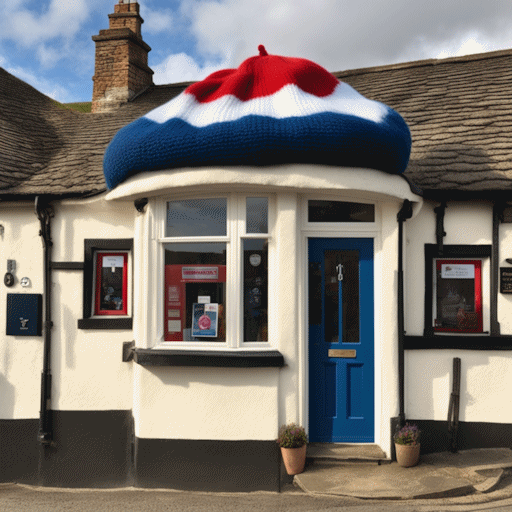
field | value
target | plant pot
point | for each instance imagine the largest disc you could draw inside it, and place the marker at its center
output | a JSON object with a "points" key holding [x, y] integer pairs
{"points": [[407, 455], [294, 459]]}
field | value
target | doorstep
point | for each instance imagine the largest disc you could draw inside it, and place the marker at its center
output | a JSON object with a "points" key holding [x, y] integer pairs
{"points": [[437, 475], [346, 453]]}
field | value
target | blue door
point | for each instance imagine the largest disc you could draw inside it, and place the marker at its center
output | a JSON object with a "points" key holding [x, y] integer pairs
{"points": [[341, 340]]}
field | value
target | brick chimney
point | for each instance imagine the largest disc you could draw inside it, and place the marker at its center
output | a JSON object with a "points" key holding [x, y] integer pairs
{"points": [[121, 69]]}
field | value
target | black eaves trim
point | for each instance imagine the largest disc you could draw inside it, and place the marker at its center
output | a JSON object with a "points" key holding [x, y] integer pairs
{"points": [[218, 358], [105, 323], [458, 342]]}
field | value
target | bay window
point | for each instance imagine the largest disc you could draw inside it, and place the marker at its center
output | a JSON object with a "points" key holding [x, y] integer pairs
{"points": [[214, 254]]}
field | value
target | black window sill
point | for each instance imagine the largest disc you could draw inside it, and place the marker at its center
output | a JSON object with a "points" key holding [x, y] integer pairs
{"points": [[105, 323], [218, 358], [458, 342]]}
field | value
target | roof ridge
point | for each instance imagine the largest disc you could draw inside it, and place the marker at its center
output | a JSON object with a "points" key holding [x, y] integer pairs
{"points": [[425, 62]]}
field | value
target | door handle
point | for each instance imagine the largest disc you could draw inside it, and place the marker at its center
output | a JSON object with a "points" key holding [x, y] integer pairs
{"points": [[340, 270]]}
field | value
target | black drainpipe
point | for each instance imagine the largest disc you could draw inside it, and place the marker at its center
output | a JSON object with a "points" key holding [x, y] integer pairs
{"points": [[440, 232], [497, 217], [404, 214], [44, 213]]}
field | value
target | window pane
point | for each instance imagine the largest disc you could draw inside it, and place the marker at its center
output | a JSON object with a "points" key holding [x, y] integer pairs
{"points": [[340, 211], [195, 292], [331, 296], [255, 290], [111, 284], [458, 296], [197, 217], [257, 215], [344, 314]]}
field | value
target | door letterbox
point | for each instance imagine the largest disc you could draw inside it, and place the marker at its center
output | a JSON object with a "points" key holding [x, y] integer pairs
{"points": [[24, 314]]}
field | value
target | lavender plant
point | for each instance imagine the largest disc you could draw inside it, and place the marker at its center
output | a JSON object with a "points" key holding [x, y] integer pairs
{"points": [[409, 435], [292, 436]]}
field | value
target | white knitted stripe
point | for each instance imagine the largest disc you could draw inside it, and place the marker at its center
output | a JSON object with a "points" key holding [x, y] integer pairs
{"points": [[290, 101]]}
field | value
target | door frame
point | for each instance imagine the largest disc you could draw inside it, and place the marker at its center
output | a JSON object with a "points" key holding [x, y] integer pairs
{"points": [[346, 230]]}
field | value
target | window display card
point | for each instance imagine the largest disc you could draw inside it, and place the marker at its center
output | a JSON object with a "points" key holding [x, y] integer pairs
{"points": [[205, 320], [174, 325]]}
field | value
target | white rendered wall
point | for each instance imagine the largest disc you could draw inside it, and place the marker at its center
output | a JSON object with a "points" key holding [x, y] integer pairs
{"points": [[465, 223], [286, 300], [87, 368], [386, 328], [486, 380], [21, 357], [505, 300], [486, 377], [206, 403]]}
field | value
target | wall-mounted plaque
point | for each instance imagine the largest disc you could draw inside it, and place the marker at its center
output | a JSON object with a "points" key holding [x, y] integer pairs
{"points": [[505, 279]]}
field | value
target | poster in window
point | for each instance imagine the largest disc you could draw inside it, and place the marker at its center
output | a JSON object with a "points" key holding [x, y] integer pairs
{"points": [[458, 296], [111, 284], [205, 319]]}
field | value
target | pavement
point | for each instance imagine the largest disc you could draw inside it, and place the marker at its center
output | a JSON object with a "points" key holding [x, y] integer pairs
{"points": [[368, 474]]}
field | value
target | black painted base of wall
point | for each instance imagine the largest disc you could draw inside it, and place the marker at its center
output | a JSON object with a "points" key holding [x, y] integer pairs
{"points": [[89, 449], [435, 436], [97, 449], [19, 451], [208, 465]]}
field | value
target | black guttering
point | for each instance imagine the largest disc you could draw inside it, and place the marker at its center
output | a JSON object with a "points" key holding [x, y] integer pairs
{"points": [[404, 214], [44, 213]]}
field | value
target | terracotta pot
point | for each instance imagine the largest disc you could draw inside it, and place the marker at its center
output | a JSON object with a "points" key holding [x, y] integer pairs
{"points": [[294, 459], [407, 455]]}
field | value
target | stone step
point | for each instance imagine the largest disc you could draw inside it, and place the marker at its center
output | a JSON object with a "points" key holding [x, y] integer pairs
{"points": [[346, 453]]}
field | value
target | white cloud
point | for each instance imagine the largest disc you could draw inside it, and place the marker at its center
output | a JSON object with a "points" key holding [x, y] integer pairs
{"points": [[52, 89], [62, 18], [48, 56], [181, 67], [343, 34], [156, 21]]}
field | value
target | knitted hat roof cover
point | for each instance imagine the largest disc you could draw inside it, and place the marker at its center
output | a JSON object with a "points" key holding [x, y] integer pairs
{"points": [[271, 110]]}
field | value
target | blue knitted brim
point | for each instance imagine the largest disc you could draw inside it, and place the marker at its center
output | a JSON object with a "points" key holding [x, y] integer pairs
{"points": [[324, 138]]}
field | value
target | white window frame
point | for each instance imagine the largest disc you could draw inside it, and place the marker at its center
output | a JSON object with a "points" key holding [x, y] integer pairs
{"points": [[235, 234], [339, 227]]}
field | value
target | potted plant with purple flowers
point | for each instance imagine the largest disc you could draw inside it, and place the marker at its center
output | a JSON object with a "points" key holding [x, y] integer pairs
{"points": [[293, 443], [407, 445]]}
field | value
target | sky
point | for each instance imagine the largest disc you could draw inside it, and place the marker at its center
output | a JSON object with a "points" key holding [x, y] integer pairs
{"points": [[47, 43]]}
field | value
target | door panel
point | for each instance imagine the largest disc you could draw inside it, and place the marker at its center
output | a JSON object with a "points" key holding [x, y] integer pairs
{"points": [[341, 344]]}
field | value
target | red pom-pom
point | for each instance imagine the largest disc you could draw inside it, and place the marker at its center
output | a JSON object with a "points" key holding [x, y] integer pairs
{"points": [[262, 50]]}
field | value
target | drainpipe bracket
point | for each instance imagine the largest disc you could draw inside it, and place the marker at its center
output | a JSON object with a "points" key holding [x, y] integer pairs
{"points": [[128, 351]]}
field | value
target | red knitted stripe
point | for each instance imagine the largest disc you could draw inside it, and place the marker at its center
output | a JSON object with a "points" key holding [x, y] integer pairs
{"points": [[264, 75]]}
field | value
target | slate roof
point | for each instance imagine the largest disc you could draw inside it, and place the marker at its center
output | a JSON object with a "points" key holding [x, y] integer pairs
{"points": [[459, 111], [48, 149]]}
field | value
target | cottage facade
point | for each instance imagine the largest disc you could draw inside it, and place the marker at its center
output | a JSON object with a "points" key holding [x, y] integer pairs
{"points": [[337, 297]]}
